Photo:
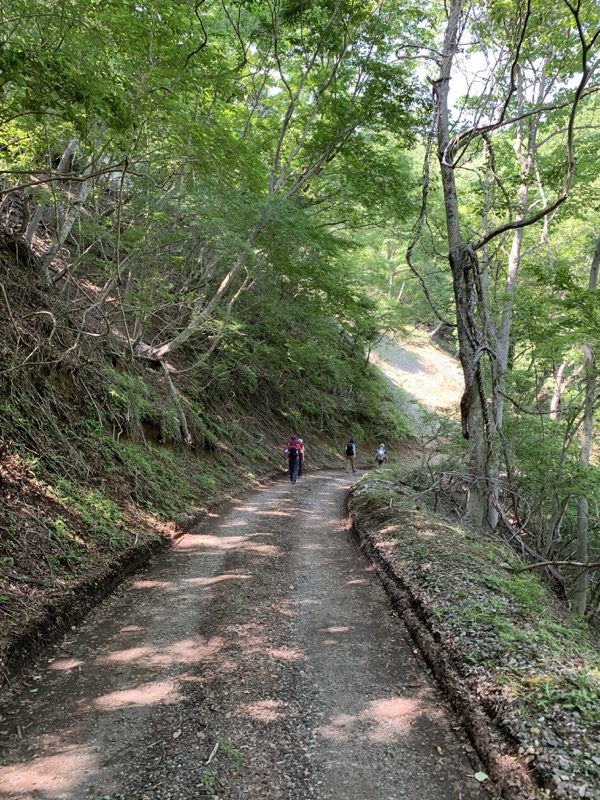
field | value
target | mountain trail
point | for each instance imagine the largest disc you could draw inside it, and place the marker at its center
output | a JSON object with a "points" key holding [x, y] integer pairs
{"points": [[258, 658]]}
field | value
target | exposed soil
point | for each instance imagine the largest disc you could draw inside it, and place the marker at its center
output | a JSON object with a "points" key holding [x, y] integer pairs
{"points": [[258, 658], [428, 381]]}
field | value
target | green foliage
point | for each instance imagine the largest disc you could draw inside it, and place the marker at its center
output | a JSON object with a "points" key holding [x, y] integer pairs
{"points": [[132, 405], [575, 690], [97, 514]]}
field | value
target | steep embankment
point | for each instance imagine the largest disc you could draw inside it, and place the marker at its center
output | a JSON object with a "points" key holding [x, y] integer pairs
{"points": [[427, 382]]}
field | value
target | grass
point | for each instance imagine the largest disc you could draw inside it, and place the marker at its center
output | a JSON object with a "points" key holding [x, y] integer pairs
{"points": [[240, 605]]}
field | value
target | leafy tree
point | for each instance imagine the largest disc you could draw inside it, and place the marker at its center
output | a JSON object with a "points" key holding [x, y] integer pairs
{"points": [[515, 47]]}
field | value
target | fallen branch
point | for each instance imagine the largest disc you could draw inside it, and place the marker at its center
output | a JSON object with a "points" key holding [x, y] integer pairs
{"points": [[212, 755], [526, 548], [185, 433], [588, 565]]}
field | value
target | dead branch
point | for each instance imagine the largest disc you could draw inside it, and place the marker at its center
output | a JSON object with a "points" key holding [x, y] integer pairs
{"points": [[185, 433], [53, 177], [566, 563], [10, 314], [418, 229]]}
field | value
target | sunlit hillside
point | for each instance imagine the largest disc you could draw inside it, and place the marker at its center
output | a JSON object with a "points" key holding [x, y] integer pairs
{"points": [[429, 379]]}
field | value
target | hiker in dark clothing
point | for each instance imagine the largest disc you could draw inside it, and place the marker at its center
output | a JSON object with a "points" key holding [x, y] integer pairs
{"points": [[350, 453], [301, 462], [292, 451]]}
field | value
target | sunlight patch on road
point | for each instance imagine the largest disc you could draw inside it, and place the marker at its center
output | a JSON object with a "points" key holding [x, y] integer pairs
{"points": [[241, 543], [286, 612], [287, 654], [236, 523], [262, 710], [49, 775], [391, 717], [339, 729], [275, 513], [386, 719], [148, 694], [226, 576], [65, 664], [144, 583], [184, 651]]}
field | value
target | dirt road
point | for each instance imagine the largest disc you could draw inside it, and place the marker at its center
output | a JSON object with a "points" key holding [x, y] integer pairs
{"points": [[257, 659]]}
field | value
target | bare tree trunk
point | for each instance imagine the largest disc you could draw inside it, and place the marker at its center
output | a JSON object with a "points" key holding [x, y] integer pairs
{"points": [[465, 277], [393, 267], [203, 310], [63, 166], [85, 188], [490, 333], [183, 426], [587, 432], [503, 336], [557, 393]]}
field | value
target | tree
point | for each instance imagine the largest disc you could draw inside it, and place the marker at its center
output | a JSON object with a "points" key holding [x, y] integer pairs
{"points": [[479, 341], [587, 431], [313, 77]]}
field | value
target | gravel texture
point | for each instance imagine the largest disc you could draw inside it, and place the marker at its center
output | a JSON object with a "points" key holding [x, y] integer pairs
{"points": [[259, 658]]}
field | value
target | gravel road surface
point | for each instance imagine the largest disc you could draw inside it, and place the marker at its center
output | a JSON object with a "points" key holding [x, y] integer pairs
{"points": [[259, 658]]}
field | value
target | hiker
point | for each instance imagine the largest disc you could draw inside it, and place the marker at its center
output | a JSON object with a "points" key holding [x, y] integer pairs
{"points": [[350, 455], [292, 452], [380, 455], [301, 460]]}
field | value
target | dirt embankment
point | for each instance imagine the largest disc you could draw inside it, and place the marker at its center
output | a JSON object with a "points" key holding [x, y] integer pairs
{"points": [[507, 770]]}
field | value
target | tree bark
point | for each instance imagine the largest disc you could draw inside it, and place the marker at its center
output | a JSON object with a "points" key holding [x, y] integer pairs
{"points": [[503, 336], [85, 188], [587, 432], [465, 277], [183, 426], [63, 166], [203, 310]]}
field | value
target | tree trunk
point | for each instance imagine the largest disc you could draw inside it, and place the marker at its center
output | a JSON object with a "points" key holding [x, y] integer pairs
{"points": [[587, 431], [557, 393], [85, 188], [63, 166], [203, 310], [183, 426], [503, 336], [465, 276]]}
